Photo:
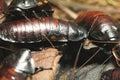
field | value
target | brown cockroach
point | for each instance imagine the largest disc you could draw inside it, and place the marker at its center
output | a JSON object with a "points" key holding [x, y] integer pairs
{"points": [[101, 29], [17, 66], [99, 25]]}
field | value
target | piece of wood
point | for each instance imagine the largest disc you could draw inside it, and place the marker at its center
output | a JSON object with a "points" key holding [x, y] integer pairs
{"points": [[47, 58], [2, 17]]}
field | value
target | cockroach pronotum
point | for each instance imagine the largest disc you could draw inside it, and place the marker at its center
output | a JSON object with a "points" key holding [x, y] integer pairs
{"points": [[26, 4], [17, 66], [36, 30]]}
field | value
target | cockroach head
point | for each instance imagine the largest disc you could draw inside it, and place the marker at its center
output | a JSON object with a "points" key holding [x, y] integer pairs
{"points": [[76, 32]]}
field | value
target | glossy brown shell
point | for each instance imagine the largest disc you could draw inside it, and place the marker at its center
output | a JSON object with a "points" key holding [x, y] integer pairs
{"points": [[99, 25]]}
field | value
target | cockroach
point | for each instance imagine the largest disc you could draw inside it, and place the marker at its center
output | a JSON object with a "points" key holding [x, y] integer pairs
{"points": [[17, 66], [37, 30], [113, 74], [99, 25], [26, 4], [19, 9], [101, 28], [116, 53]]}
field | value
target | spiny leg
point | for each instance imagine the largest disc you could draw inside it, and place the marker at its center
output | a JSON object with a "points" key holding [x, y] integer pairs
{"points": [[38, 69], [36, 15], [98, 50], [77, 56]]}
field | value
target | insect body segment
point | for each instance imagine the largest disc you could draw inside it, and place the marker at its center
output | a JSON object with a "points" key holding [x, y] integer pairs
{"points": [[17, 66]]}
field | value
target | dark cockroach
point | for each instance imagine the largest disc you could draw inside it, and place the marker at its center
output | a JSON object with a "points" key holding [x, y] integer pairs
{"points": [[19, 9], [26, 4], [17, 66], [116, 53], [113, 74], [36, 30]]}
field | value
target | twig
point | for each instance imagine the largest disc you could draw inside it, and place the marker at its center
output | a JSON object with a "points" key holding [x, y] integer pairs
{"points": [[79, 6], [71, 13]]}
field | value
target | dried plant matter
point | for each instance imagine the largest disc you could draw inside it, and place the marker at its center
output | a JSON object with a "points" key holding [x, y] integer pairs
{"points": [[47, 58]]}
